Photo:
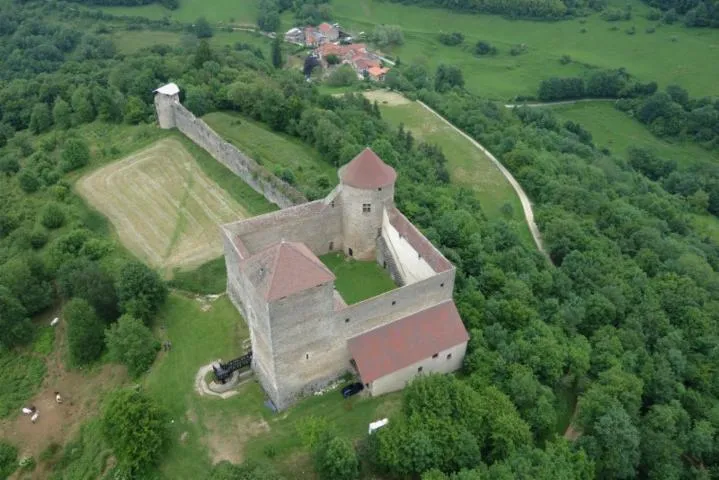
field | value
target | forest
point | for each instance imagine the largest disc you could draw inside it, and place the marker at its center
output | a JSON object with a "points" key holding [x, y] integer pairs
{"points": [[625, 316]]}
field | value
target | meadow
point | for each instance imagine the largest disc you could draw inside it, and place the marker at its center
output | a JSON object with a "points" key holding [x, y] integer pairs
{"points": [[164, 208], [468, 166], [271, 149], [130, 41]]}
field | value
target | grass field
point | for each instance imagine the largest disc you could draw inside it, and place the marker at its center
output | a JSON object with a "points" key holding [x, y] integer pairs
{"points": [[468, 166], [271, 149], [128, 42], [163, 206], [239, 427], [357, 280]]}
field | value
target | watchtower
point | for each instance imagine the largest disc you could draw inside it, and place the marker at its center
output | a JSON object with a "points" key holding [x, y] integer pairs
{"points": [[165, 97], [367, 189]]}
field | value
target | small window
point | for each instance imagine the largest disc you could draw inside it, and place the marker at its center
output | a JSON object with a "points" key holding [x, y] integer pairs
{"points": [[394, 302], [419, 370], [347, 320], [441, 284], [349, 250], [419, 256], [435, 355], [449, 356], [379, 189], [332, 246], [332, 204], [384, 264], [366, 207], [307, 356]]}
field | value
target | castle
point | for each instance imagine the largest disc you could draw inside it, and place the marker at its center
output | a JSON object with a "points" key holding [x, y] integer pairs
{"points": [[303, 334]]}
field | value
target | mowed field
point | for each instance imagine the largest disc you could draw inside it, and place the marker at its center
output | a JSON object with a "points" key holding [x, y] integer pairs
{"points": [[468, 166], [162, 205]]}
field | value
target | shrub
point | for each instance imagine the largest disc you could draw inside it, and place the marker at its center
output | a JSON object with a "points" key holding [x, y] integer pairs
{"points": [[485, 48], [654, 14], [15, 327], [9, 165], [631, 30], [52, 216], [131, 343], [332, 59], [141, 291], [336, 459], [38, 237], [342, 76], [85, 332], [451, 39], [8, 459], [565, 60], [518, 49], [28, 180], [385, 35], [650, 30], [136, 429], [75, 155]]}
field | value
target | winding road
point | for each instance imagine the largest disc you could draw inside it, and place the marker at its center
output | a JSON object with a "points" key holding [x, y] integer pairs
{"points": [[523, 198]]}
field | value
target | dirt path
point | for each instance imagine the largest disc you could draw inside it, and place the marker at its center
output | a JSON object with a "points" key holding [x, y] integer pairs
{"points": [[81, 392], [572, 433], [554, 104], [526, 204]]}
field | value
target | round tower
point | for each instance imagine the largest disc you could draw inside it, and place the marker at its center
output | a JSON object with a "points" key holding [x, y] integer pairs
{"points": [[165, 97], [367, 188]]}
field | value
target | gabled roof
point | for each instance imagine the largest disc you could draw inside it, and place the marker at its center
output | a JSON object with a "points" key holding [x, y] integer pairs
{"points": [[325, 27], [285, 268], [399, 344], [367, 170], [169, 89]]}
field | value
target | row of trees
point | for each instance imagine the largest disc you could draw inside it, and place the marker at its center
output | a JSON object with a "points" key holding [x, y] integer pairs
{"points": [[306, 12], [598, 84], [545, 9], [697, 13]]}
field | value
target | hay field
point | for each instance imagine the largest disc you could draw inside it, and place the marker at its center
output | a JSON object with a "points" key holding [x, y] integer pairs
{"points": [[164, 208]]}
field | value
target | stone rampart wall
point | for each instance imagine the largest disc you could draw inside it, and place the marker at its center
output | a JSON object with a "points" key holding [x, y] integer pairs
{"points": [[272, 188]]}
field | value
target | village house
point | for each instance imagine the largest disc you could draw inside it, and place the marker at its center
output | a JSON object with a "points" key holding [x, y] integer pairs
{"points": [[295, 35]]}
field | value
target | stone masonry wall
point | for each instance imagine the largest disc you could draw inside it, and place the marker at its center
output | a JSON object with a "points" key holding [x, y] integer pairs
{"points": [[262, 181]]}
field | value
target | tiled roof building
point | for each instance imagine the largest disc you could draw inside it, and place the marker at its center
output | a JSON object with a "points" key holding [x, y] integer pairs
{"points": [[303, 333]]}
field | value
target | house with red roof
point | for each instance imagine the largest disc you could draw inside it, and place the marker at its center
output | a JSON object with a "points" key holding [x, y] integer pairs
{"points": [[303, 334]]}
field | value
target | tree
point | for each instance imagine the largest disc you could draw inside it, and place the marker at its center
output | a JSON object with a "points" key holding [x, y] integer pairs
{"points": [[385, 35], [81, 101], [277, 60], [336, 459], [135, 111], [84, 279], [9, 164], [131, 343], [202, 54], [136, 429], [613, 443], [28, 180], [15, 327], [40, 118], [141, 291], [76, 154], [269, 17], [85, 332], [485, 48], [448, 77], [203, 28], [62, 114], [52, 216], [27, 280], [332, 59]]}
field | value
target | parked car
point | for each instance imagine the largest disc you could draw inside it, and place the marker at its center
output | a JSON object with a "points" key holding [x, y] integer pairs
{"points": [[352, 389]]}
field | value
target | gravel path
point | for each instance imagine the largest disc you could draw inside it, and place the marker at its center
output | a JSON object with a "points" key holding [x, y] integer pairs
{"points": [[526, 204]]}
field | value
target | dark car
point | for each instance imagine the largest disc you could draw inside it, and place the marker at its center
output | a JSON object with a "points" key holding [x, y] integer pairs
{"points": [[352, 389]]}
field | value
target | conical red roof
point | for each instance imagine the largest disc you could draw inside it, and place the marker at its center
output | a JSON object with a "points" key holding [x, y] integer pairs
{"points": [[367, 170]]}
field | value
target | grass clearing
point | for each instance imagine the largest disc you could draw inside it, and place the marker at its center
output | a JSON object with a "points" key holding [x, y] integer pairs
{"points": [[225, 11], [208, 278], [357, 280], [210, 428], [164, 208], [271, 149], [130, 41], [468, 166]]}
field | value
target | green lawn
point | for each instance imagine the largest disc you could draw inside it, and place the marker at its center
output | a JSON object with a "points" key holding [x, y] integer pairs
{"points": [[130, 41], [617, 131], [357, 280], [226, 11], [208, 278], [468, 165], [241, 422], [271, 149]]}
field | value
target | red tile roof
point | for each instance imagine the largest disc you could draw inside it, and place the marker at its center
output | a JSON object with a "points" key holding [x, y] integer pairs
{"points": [[367, 170], [325, 27], [418, 241], [409, 340], [285, 268]]}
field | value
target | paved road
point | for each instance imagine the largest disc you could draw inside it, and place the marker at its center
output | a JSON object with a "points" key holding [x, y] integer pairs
{"points": [[526, 204], [554, 104]]}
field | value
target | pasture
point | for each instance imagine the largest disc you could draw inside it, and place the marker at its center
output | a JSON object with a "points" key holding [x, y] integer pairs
{"points": [[165, 209], [130, 41], [271, 149], [468, 166]]}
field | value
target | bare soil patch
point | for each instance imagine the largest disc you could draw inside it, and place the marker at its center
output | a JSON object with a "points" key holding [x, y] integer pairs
{"points": [[81, 392], [163, 206], [383, 96], [226, 437]]}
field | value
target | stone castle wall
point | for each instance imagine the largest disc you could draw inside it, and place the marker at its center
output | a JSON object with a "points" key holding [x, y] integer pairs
{"points": [[272, 188], [361, 228]]}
